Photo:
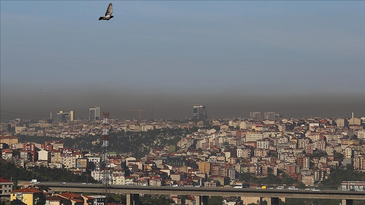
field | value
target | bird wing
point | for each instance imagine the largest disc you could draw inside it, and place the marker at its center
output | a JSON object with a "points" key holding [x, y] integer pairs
{"points": [[109, 10]]}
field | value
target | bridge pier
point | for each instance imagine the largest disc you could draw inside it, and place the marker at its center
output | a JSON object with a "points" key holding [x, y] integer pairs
{"points": [[347, 202], [132, 199], [272, 201], [202, 200]]}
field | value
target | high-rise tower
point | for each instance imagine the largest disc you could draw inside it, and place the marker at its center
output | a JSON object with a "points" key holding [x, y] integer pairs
{"points": [[94, 113], [199, 113], [62, 116]]}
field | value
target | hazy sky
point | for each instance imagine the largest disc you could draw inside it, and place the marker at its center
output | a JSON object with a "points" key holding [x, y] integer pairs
{"points": [[297, 58]]}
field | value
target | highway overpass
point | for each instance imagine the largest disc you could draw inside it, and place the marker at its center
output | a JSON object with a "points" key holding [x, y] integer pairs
{"points": [[272, 195]]}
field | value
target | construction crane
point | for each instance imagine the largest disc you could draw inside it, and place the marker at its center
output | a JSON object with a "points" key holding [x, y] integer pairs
{"points": [[135, 110]]}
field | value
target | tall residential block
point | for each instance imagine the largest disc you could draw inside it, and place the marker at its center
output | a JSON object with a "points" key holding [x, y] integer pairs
{"points": [[269, 115], [62, 116], [255, 115]]}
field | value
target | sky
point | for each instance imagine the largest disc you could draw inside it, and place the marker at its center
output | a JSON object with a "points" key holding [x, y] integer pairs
{"points": [[296, 58]]}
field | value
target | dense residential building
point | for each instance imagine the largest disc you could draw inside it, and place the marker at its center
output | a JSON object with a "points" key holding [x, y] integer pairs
{"points": [[56, 156], [6, 186], [204, 167], [9, 140]]}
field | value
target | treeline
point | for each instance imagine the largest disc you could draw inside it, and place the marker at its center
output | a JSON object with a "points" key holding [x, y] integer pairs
{"points": [[10, 171], [129, 143], [341, 174], [271, 179]]}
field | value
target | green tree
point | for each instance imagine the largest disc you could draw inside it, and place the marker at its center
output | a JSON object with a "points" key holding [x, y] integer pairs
{"points": [[247, 177], [116, 198], [339, 175], [160, 200], [339, 156], [11, 171], [353, 137], [215, 200], [319, 153]]}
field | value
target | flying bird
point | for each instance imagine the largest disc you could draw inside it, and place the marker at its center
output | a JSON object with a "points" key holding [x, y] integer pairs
{"points": [[108, 13]]}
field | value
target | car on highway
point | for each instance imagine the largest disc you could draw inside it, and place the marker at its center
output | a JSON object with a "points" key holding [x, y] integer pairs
{"points": [[292, 188]]}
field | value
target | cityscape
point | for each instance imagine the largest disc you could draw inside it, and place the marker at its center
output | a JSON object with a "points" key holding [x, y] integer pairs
{"points": [[212, 152], [182, 102]]}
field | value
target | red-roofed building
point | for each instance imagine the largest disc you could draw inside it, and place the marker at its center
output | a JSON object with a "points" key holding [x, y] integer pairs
{"points": [[77, 199], [57, 200], [47, 146], [29, 196], [88, 199], [69, 195], [5, 188]]}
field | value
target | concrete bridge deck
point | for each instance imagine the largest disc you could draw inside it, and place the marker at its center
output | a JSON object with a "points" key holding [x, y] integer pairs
{"points": [[346, 196]]}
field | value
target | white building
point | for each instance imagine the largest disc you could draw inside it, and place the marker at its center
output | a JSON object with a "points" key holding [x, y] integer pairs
{"points": [[94, 113], [264, 143], [99, 175], [99, 199], [44, 155], [341, 122], [254, 136], [245, 125], [348, 152], [361, 134]]}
